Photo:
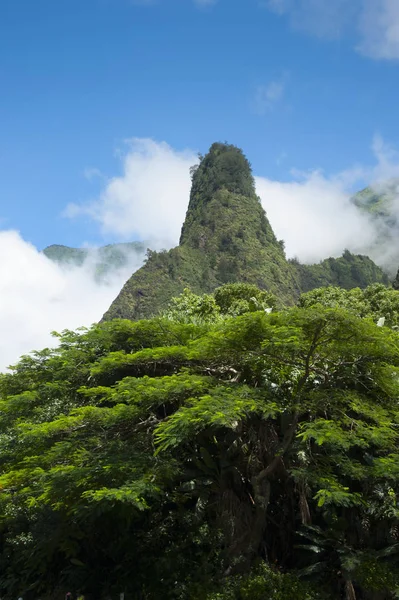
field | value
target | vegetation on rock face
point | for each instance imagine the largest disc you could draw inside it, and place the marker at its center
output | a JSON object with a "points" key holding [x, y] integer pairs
{"points": [[186, 457], [348, 271], [106, 258], [163, 276], [227, 238], [224, 168]]}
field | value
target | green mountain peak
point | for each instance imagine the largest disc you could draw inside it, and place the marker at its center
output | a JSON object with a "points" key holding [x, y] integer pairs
{"points": [[224, 168], [226, 238]]}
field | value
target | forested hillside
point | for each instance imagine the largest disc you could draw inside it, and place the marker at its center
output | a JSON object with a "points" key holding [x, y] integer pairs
{"points": [[227, 238], [349, 271], [219, 452]]}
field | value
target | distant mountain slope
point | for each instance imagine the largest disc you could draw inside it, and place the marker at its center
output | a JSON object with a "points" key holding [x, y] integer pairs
{"points": [[226, 238], [348, 271], [380, 201], [381, 204], [105, 259]]}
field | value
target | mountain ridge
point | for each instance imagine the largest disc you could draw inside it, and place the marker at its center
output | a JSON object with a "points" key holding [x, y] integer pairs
{"points": [[104, 258]]}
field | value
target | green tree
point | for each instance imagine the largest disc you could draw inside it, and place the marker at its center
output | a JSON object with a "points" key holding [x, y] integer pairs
{"points": [[229, 300], [375, 302], [204, 460]]}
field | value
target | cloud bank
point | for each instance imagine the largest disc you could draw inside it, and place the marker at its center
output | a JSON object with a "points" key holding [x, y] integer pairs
{"points": [[314, 217], [37, 296], [314, 214], [149, 199]]}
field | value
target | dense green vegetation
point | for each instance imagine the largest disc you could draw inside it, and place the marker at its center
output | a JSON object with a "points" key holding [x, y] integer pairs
{"points": [[227, 238], [106, 258], [219, 452], [348, 271], [375, 302], [219, 436]]}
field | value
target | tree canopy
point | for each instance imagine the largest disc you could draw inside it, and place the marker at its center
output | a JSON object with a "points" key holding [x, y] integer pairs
{"points": [[251, 456]]}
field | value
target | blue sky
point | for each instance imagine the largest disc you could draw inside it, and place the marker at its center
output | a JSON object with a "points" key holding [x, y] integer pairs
{"points": [[298, 84]]}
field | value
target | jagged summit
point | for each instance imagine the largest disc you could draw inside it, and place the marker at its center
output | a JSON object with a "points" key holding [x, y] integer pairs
{"points": [[226, 238]]}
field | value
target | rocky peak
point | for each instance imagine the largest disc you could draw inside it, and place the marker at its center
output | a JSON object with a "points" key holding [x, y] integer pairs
{"points": [[223, 171]]}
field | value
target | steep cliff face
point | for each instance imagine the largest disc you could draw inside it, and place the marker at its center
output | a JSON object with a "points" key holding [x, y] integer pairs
{"points": [[226, 238]]}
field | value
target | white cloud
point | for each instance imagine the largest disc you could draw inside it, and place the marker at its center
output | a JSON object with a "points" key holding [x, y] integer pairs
{"points": [[149, 200], [374, 22], [37, 296], [379, 28], [387, 160], [267, 96], [315, 217]]}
